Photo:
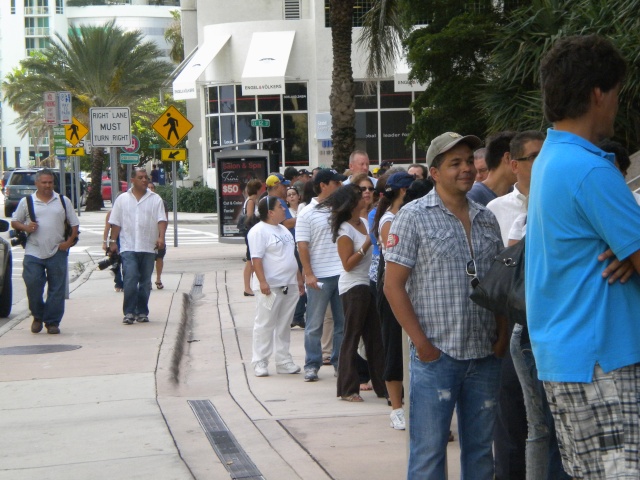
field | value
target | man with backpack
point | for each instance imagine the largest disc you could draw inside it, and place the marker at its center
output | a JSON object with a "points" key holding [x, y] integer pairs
{"points": [[45, 216]]}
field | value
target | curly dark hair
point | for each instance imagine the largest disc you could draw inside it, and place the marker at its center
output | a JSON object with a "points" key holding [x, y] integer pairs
{"points": [[572, 68], [342, 203]]}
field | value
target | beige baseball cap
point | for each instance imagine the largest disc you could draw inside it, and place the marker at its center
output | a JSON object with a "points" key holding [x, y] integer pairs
{"points": [[446, 141]]}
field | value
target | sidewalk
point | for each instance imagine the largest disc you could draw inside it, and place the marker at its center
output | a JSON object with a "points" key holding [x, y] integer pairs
{"points": [[120, 406]]}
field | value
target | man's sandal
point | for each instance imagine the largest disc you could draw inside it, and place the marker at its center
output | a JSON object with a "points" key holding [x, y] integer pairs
{"points": [[159, 285]]}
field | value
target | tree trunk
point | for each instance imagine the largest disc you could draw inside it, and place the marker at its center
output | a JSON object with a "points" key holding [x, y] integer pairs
{"points": [[342, 98], [94, 199]]}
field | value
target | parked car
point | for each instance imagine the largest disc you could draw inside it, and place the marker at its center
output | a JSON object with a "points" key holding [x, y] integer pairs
{"points": [[5, 176], [6, 283], [21, 183], [106, 187]]}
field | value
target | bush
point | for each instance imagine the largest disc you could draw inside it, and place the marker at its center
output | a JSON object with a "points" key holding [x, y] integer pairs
{"points": [[192, 200]]}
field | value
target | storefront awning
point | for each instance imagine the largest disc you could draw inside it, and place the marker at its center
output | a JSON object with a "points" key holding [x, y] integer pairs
{"points": [[184, 86], [266, 63], [401, 82]]}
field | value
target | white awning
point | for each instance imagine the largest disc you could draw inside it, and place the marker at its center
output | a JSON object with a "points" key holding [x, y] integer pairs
{"points": [[266, 63], [184, 86], [401, 82]]}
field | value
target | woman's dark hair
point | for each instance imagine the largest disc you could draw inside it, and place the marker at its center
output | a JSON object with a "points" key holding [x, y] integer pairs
{"points": [[418, 189], [621, 154], [308, 192], [266, 203], [342, 202], [572, 68], [254, 186]]}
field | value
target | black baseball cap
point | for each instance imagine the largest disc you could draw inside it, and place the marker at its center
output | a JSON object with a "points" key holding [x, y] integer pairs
{"points": [[325, 175]]}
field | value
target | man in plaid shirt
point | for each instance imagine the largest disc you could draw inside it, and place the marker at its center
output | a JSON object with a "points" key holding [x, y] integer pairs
{"points": [[437, 248]]}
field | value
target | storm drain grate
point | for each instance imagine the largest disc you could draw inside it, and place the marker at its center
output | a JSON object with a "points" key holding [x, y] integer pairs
{"points": [[198, 282], [37, 349], [223, 442]]}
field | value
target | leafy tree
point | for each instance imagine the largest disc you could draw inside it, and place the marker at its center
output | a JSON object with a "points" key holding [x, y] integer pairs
{"points": [[173, 36], [512, 98], [342, 99], [102, 66]]}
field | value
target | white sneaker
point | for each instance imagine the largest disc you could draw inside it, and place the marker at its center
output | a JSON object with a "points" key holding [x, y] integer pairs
{"points": [[261, 369], [397, 419], [289, 367]]}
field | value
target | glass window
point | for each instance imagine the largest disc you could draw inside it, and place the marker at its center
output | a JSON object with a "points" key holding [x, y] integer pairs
{"points": [[274, 130], [295, 97], [246, 133], [213, 103], [59, 6], [367, 134], [227, 130], [268, 103], [244, 104], [296, 134], [391, 99], [13, 12], [214, 131], [226, 99], [366, 100], [393, 126]]}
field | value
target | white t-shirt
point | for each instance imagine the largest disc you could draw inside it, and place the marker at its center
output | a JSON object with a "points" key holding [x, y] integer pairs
{"points": [[274, 244], [387, 217], [138, 220], [313, 226], [360, 274]]}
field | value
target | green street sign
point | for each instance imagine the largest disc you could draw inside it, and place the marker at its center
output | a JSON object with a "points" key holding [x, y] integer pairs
{"points": [[259, 122], [59, 141], [129, 158], [154, 145]]}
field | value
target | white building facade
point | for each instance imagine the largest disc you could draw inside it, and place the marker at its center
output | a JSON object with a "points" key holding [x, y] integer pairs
{"points": [[28, 25], [272, 60]]}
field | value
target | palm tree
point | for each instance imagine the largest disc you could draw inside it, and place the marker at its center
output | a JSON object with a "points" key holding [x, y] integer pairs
{"points": [[342, 99], [102, 66], [173, 36]]}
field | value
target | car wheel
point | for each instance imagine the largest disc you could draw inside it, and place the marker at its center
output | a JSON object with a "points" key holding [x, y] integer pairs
{"points": [[6, 296], [8, 211]]}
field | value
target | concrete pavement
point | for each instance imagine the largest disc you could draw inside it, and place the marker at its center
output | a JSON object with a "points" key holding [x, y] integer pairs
{"points": [[127, 401]]}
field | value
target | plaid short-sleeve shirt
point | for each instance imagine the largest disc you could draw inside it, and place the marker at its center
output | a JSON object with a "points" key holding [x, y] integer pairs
{"points": [[427, 238]]}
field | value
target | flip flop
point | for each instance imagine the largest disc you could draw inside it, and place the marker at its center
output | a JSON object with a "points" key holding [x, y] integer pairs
{"points": [[365, 387], [159, 285]]}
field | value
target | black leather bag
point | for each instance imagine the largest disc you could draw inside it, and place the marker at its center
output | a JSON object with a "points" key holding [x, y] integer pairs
{"points": [[501, 290]]}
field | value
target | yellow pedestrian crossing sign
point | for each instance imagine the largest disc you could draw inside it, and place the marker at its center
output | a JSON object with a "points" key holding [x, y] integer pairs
{"points": [[174, 154], [75, 151], [75, 131], [172, 126]]}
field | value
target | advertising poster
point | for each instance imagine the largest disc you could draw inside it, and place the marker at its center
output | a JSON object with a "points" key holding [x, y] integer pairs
{"points": [[234, 170]]}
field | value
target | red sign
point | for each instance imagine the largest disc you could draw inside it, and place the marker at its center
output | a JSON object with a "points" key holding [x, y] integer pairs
{"points": [[134, 147]]}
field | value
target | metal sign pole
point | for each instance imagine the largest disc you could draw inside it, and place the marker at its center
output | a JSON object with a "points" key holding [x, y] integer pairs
{"points": [[115, 184], [175, 203], [76, 169]]}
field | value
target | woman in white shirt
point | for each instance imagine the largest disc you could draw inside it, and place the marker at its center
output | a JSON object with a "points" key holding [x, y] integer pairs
{"points": [[293, 201], [351, 234], [277, 284]]}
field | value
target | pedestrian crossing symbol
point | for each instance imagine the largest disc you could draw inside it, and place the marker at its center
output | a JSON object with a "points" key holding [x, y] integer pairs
{"points": [[75, 131], [172, 126]]}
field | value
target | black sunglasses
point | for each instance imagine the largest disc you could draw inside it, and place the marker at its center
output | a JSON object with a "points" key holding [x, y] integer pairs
{"points": [[364, 189]]}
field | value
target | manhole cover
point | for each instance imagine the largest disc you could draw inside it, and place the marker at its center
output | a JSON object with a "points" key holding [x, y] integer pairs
{"points": [[37, 349]]}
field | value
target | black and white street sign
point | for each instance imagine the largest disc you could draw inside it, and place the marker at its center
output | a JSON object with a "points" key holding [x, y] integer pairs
{"points": [[110, 126]]}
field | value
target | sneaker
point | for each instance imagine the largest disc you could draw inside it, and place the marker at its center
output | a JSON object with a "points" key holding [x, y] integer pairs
{"points": [[129, 319], [53, 329], [260, 369], [142, 319], [289, 367], [36, 326], [300, 324], [310, 374], [397, 419]]}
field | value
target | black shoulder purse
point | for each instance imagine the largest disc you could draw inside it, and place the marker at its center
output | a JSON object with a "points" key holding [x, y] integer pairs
{"points": [[68, 229], [501, 290]]}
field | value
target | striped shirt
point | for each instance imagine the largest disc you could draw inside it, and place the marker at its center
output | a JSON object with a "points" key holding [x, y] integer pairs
{"points": [[432, 242], [312, 226]]}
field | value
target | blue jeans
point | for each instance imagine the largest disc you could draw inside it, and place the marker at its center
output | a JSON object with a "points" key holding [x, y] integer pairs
{"points": [[317, 302], [52, 271], [137, 268], [542, 454], [436, 388]]}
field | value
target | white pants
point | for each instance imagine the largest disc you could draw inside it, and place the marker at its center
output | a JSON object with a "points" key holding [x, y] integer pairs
{"points": [[274, 325]]}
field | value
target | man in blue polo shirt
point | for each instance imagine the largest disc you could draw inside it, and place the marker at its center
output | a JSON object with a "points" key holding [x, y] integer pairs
{"points": [[584, 329]]}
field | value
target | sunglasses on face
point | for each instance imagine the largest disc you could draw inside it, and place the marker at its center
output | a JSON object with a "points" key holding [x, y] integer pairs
{"points": [[364, 189]]}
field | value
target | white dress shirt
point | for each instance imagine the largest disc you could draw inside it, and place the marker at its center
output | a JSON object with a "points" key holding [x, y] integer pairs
{"points": [[506, 209]]}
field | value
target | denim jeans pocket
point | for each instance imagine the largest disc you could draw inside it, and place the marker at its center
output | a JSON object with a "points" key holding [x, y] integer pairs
{"points": [[432, 362]]}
